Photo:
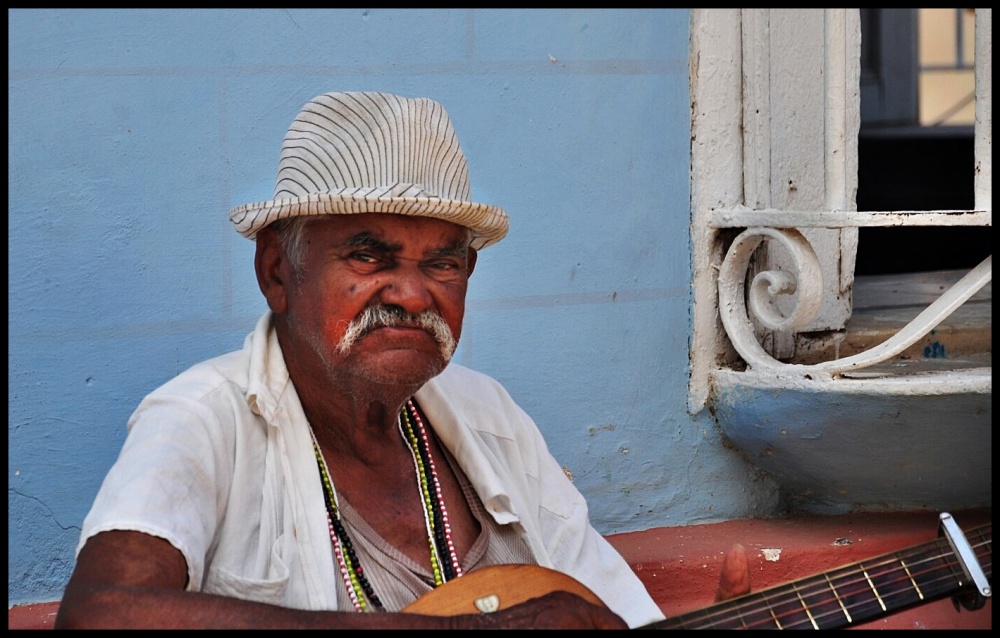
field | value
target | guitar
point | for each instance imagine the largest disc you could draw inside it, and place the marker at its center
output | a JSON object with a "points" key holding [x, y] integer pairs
{"points": [[844, 596]]}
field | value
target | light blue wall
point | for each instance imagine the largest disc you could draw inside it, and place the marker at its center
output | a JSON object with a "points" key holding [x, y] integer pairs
{"points": [[132, 133]]}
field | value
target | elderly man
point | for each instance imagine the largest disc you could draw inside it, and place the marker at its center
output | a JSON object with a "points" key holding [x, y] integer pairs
{"points": [[339, 463]]}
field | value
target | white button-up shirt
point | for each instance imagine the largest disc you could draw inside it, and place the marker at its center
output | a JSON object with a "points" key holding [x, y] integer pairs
{"points": [[219, 462]]}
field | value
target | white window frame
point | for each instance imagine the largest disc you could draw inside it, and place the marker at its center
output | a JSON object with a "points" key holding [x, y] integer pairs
{"points": [[774, 157]]}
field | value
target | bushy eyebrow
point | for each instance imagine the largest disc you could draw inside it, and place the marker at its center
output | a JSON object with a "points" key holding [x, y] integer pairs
{"points": [[458, 250], [371, 242]]}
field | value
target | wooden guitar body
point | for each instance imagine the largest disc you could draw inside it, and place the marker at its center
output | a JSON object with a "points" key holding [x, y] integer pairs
{"points": [[497, 588]]}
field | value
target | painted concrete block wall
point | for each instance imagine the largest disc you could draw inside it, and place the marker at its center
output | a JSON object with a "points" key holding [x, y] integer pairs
{"points": [[132, 133]]}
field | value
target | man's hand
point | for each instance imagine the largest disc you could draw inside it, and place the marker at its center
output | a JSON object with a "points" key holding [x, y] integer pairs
{"points": [[735, 578]]}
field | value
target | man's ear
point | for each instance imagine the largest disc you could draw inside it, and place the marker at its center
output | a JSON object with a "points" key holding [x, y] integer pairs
{"points": [[273, 269], [470, 261]]}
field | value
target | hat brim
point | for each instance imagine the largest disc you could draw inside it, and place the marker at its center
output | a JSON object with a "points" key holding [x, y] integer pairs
{"points": [[488, 223]]}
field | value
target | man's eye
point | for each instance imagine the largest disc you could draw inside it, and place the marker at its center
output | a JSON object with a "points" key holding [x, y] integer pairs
{"points": [[446, 270], [365, 258], [447, 266]]}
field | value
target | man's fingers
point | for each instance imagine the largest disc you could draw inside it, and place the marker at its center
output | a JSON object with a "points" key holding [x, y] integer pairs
{"points": [[735, 578]]}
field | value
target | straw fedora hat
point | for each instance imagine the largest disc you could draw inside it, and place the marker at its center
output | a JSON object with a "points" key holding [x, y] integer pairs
{"points": [[368, 152]]}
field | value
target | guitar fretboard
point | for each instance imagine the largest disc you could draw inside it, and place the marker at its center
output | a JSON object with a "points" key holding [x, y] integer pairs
{"points": [[851, 594]]}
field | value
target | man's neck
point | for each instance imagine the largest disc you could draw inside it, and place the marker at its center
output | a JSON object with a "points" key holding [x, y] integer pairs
{"points": [[336, 399]]}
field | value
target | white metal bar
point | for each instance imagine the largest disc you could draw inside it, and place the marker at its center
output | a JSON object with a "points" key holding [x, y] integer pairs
{"points": [[739, 218], [984, 109], [836, 112], [919, 326], [755, 29]]}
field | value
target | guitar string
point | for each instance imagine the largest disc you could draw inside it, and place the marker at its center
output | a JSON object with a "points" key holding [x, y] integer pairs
{"points": [[797, 613], [759, 617], [871, 564], [886, 595]]}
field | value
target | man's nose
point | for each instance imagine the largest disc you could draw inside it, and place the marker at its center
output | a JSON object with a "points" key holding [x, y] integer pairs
{"points": [[406, 286]]}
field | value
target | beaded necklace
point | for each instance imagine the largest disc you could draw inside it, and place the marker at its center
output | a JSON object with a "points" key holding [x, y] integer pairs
{"points": [[444, 560]]}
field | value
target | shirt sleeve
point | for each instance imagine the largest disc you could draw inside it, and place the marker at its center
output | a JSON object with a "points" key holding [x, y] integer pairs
{"points": [[169, 481], [577, 549]]}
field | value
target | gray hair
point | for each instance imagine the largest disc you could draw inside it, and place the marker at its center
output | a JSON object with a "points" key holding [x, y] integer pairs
{"points": [[291, 233]]}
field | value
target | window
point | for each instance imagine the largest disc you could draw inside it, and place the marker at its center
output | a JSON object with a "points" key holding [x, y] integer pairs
{"points": [[785, 154], [916, 144], [917, 67]]}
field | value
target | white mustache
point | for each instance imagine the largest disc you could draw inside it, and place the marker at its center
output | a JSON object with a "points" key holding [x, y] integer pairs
{"points": [[374, 317]]}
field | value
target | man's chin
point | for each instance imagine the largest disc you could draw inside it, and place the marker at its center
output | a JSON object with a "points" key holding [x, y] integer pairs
{"points": [[400, 367]]}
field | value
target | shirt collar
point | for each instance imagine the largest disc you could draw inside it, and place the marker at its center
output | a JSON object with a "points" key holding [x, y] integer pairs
{"points": [[270, 392], [268, 379]]}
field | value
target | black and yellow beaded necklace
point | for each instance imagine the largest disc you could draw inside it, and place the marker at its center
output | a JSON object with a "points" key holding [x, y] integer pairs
{"points": [[444, 560]]}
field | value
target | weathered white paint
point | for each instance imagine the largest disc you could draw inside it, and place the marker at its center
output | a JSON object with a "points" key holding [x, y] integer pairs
{"points": [[834, 219], [779, 156], [735, 312], [796, 121], [734, 297], [843, 121], [716, 180], [812, 113], [984, 109]]}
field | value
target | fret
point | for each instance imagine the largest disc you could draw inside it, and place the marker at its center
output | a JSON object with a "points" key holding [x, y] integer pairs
{"points": [[838, 596], [840, 601], [983, 545], [774, 617], [909, 575], [890, 587], [868, 579], [805, 606], [824, 606], [957, 572], [757, 612]]}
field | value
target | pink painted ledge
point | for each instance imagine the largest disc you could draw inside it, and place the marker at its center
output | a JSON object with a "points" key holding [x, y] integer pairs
{"points": [[680, 565]]}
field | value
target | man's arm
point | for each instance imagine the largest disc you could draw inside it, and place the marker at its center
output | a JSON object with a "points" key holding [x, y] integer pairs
{"points": [[134, 580]]}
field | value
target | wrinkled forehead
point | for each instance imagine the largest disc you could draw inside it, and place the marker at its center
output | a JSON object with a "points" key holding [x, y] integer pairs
{"points": [[395, 231]]}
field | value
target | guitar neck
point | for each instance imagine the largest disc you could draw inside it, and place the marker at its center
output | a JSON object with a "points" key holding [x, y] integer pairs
{"points": [[851, 594]]}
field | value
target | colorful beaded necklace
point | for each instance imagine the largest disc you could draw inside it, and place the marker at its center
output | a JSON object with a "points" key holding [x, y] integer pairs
{"points": [[444, 560]]}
